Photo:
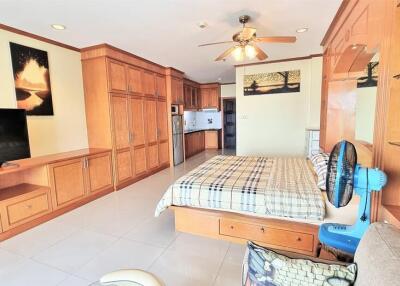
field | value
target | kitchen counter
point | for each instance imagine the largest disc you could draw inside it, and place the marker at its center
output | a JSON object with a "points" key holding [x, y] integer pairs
{"points": [[198, 130]]}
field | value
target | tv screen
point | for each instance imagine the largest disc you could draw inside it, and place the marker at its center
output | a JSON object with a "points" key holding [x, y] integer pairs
{"points": [[14, 140]]}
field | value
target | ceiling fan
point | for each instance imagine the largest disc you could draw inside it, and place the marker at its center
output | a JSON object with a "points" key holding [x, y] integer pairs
{"points": [[246, 43]]}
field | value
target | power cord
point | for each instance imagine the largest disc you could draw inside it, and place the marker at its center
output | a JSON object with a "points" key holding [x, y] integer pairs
{"points": [[364, 216]]}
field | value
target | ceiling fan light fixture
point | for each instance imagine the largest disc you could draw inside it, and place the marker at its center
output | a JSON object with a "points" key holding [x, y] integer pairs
{"points": [[250, 52], [302, 30], [238, 53]]}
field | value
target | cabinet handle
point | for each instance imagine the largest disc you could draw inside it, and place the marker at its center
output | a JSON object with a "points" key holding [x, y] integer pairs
{"points": [[232, 227], [29, 206], [262, 229], [299, 239], [397, 76]]}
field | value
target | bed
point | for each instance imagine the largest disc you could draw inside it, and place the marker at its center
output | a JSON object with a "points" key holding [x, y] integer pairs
{"points": [[281, 186], [274, 201]]}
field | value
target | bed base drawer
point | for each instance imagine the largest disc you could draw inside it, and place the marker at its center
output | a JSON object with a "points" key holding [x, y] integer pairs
{"points": [[266, 234]]}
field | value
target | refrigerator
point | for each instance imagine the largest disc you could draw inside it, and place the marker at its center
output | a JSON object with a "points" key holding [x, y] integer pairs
{"points": [[177, 138]]}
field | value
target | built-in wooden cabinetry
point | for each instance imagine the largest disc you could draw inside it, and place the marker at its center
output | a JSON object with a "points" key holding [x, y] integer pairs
{"points": [[42, 188], [210, 96], [194, 143], [201, 96], [192, 95], [360, 30], [212, 139], [126, 110]]}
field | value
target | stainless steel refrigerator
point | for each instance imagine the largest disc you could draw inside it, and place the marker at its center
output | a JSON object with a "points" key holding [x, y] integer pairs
{"points": [[177, 138]]}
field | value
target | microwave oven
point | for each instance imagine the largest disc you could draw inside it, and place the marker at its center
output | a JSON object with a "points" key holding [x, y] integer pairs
{"points": [[174, 109]]}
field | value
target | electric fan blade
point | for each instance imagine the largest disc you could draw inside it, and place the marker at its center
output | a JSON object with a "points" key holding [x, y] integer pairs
{"points": [[260, 53], [247, 33], [225, 54], [275, 39], [216, 43]]}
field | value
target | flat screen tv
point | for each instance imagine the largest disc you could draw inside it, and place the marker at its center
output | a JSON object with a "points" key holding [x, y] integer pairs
{"points": [[14, 140]]}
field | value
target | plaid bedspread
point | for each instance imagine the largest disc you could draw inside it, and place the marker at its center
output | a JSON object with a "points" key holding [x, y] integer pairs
{"points": [[281, 186]]}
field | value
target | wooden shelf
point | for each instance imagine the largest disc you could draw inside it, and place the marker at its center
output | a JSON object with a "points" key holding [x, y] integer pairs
{"points": [[19, 190]]}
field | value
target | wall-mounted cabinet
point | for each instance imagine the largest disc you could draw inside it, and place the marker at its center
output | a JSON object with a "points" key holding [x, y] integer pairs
{"points": [[210, 96], [192, 96], [126, 110]]}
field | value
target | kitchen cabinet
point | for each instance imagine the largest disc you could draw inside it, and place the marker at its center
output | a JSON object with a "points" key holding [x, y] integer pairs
{"points": [[212, 139], [210, 96], [177, 96], [194, 143]]}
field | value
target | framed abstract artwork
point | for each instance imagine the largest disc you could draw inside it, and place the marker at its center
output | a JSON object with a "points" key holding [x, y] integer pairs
{"points": [[32, 80], [272, 82]]}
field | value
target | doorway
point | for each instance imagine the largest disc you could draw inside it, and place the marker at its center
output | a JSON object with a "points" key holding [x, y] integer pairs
{"points": [[229, 105]]}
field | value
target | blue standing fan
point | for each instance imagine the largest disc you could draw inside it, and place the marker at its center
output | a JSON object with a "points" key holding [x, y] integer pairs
{"points": [[344, 174]]}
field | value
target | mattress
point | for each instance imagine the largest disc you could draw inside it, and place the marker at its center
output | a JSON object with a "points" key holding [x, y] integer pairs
{"points": [[280, 187]]}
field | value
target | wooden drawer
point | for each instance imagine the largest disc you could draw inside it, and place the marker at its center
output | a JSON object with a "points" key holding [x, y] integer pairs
{"points": [[22, 209], [268, 235]]}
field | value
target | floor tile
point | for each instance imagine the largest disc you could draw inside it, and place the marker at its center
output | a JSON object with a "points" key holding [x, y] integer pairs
{"points": [[230, 274], [177, 268], [159, 231], [235, 253], [37, 239], [124, 254], [74, 281], [32, 273], [8, 260], [73, 252]]}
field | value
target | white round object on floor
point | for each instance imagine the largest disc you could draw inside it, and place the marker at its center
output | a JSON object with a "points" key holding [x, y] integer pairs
{"points": [[129, 277]]}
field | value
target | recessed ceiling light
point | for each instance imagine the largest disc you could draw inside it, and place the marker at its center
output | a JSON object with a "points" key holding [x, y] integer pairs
{"points": [[302, 30], [219, 79], [202, 24], [58, 27]]}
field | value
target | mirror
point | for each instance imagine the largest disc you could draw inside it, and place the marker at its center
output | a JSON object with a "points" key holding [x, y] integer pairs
{"points": [[365, 102]]}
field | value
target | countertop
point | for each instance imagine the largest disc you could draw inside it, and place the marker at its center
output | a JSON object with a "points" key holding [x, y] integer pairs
{"points": [[197, 130]]}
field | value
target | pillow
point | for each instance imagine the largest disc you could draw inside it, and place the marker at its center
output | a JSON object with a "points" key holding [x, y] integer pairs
{"points": [[320, 164], [263, 267]]}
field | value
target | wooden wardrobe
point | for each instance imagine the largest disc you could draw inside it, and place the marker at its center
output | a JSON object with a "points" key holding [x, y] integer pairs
{"points": [[126, 110]]}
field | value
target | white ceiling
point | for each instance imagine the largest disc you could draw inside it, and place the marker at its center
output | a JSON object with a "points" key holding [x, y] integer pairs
{"points": [[166, 31]]}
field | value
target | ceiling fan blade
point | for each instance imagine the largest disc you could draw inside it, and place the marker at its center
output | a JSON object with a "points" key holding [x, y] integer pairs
{"points": [[226, 53], [275, 39], [247, 33], [260, 53], [217, 43]]}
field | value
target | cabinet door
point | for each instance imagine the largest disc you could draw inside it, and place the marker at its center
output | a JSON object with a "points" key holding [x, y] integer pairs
{"points": [[99, 172], [205, 95], [119, 105], [124, 167], [137, 121], [138, 135], [162, 116], [214, 98], [149, 85], [134, 76], [161, 87], [163, 153], [152, 156], [151, 120], [116, 76], [140, 160], [187, 97], [67, 180], [174, 89], [179, 91]]}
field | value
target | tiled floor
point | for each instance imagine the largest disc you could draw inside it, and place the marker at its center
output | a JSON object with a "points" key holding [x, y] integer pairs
{"points": [[115, 232]]}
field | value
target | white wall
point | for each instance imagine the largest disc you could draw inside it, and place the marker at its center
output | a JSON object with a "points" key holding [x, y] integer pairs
{"points": [[275, 124], [66, 130], [228, 90]]}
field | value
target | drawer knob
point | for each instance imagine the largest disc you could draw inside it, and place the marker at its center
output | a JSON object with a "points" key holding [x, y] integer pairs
{"points": [[262, 229], [29, 206], [299, 239], [232, 227]]}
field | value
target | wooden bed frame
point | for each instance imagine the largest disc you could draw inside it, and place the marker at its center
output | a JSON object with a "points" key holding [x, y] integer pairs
{"points": [[277, 234]]}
